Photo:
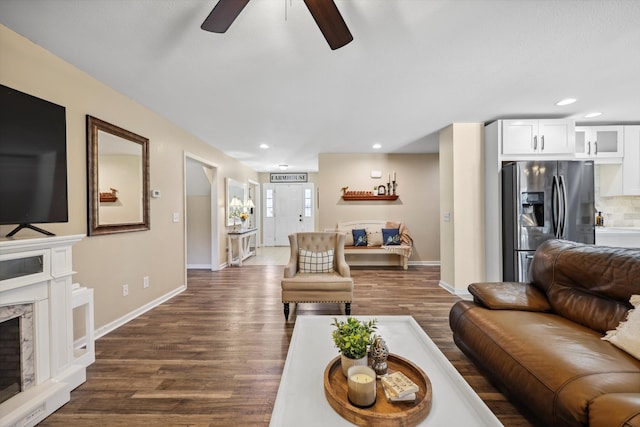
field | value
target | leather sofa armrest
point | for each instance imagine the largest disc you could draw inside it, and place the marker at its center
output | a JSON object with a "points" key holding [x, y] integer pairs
{"points": [[615, 410], [509, 296]]}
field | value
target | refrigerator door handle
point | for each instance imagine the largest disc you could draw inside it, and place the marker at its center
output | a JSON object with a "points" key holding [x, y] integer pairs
{"points": [[565, 208], [555, 206]]}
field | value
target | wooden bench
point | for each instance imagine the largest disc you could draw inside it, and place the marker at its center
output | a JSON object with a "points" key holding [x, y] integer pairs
{"points": [[373, 255]]}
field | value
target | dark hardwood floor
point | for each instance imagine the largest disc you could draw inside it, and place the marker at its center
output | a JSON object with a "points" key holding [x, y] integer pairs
{"points": [[213, 355]]}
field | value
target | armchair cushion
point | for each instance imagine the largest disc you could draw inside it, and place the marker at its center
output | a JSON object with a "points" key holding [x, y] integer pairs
{"points": [[315, 262]]}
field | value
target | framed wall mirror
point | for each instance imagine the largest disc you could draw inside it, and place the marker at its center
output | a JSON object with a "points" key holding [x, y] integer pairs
{"points": [[118, 179], [235, 201]]}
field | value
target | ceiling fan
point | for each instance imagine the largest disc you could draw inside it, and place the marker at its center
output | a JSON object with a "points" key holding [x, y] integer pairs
{"points": [[324, 12]]}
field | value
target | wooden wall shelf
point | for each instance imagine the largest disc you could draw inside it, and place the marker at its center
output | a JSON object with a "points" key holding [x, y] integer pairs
{"points": [[353, 197]]}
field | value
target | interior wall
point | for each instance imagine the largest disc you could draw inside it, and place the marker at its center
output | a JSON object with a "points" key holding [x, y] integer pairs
{"points": [[446, 218], [199, 232], [462, 206], [107, 262], [418, 189]]}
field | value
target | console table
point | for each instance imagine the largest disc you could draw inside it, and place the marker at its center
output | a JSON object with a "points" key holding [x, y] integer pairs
{"points": [[243, 239], [301, 400]]}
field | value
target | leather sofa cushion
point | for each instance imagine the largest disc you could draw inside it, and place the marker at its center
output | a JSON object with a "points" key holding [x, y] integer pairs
{"points": [[509, 296], [590, 285], [615, 409], [549, 363]]}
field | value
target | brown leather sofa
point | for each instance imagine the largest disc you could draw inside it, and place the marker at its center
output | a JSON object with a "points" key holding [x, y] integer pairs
{"points": [[540, 342]]}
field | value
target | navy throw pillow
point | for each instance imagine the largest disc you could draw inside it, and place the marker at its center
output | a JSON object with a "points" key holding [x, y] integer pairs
{"points": [[359, 237], [391, 236]]}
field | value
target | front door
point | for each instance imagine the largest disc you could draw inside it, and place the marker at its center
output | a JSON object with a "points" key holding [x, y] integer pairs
{"points": [[288, 209]]}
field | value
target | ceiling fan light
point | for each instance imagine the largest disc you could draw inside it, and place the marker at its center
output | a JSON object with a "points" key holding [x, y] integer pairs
{"points": [[566, 101]]}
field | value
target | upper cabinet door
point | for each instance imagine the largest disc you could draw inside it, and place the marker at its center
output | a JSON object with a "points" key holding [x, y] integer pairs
{"points": [[631, 162], [600, 142], [556, 136], [526, 137], [519, 136]]}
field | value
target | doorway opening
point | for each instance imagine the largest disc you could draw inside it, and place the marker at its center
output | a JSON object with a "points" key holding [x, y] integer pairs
{"points": [[202, 234]]}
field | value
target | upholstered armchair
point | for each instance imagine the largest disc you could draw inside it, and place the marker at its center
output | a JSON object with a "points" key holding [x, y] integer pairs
{"points": [[317, 271]]}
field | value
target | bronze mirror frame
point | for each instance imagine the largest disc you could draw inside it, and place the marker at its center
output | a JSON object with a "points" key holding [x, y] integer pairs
{"points": [[94, 227]]}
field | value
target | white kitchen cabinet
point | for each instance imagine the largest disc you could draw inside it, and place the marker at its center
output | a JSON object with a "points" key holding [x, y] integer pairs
{"points": [[600, 143], [631, 161], [537, 137], [623, 179]]}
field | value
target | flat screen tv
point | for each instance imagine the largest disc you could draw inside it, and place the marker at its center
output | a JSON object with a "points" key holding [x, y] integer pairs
{"points": [[33, 161]]}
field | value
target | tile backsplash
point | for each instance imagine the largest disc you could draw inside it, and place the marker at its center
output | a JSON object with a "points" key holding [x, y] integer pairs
{"points": [[619, 211]]}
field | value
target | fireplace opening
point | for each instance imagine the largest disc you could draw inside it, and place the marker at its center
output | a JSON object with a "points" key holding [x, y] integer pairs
{"points": [[10, 359]]}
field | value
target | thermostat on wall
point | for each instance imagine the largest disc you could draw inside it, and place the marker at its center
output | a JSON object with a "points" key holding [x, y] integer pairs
{"points": [[376, 174], [155, 193]]}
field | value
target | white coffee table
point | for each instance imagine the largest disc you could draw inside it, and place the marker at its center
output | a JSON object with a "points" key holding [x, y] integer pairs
{"points": [[301, 400]]}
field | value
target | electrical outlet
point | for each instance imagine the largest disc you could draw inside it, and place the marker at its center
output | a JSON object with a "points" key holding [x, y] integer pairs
{"points": [[145, 282], [125, 290]]}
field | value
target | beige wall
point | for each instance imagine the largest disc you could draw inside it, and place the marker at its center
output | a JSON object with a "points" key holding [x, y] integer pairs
{"points": [[199, 231], [107, 262], [418, 188], [462, 243]]}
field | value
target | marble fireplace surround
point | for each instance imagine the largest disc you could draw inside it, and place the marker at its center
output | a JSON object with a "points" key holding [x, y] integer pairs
{"points": [[25, 313], [49, 293]]}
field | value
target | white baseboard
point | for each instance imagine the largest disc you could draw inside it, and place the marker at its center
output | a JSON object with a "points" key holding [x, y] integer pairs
{"points": [[198, 266], [137, 312], [461, 293], [425, 263]]}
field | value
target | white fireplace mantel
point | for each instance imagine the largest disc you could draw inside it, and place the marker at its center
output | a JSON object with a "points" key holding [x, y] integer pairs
{"points": [[50, 292]]}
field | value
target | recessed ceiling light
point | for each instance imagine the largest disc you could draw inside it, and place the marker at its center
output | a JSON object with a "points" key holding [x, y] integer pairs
{"points": [[283, 167], [592, 115], [376, 146], [567, 101], [265, 146]]}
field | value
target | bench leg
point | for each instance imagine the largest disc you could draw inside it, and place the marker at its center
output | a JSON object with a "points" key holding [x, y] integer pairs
{"points": [[347, 308], [286, 311]]}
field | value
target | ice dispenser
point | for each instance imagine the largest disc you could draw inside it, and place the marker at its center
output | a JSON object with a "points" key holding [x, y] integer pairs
{"points": [[532, 209]]}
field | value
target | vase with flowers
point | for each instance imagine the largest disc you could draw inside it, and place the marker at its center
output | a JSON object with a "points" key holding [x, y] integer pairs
{"points": [[353, 338], [244, 219]]}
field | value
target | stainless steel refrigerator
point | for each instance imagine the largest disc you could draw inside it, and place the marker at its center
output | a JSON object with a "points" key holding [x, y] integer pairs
{"points": [[544, 200]]}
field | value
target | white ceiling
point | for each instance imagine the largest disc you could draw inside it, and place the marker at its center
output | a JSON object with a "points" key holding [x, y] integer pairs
{"points": [[414, 67]]}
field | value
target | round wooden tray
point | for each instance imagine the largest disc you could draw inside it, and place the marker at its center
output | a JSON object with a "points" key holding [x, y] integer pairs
{"points": [[382, 413]]}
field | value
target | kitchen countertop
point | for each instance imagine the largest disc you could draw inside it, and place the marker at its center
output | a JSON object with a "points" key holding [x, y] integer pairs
{"points": [[624, 237]]}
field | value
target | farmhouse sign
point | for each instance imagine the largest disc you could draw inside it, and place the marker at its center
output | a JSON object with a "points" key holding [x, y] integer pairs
{"points": [[288, 177]]}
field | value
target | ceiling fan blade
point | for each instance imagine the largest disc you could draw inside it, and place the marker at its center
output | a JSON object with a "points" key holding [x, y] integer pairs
{"points": [[223, 15], [330, 22]]}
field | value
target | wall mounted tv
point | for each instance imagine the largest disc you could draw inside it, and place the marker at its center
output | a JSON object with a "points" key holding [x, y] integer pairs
{"points": [[33, 161]]}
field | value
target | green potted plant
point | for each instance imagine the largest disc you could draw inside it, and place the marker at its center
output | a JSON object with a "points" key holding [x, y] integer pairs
{"points": [[353, 338]]}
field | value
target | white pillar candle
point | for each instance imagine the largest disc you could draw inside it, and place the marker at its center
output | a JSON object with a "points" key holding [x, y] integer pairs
{"points": [[361, 385]]}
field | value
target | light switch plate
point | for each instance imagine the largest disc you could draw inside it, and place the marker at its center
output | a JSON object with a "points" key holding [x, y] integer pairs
{"points": [[176, 217]]}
